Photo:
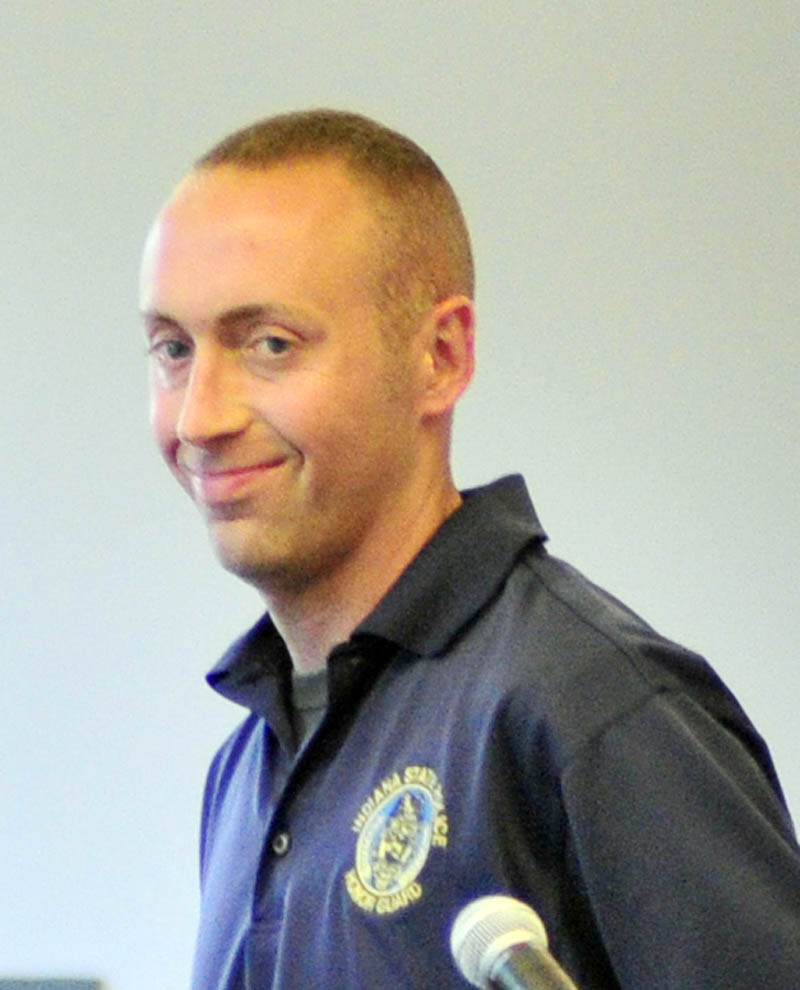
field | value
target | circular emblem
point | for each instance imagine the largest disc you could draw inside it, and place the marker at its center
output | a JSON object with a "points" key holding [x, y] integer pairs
{"points": [[394, 843], [397, 826]]}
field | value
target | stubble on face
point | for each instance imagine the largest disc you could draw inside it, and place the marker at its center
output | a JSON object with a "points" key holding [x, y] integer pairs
{"points": [[340, 410]]}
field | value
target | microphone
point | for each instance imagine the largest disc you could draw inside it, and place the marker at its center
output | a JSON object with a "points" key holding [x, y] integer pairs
{"points": [[499, 943]]}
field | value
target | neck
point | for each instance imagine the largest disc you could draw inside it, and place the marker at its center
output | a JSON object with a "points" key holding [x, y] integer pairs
{"points": [[318, 616]]}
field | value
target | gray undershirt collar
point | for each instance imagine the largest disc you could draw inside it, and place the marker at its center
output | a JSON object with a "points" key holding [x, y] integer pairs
{"points": [[309, 701]]}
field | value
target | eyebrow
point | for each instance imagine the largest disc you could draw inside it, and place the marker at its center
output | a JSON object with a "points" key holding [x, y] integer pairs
{"points": [[234, 319], [154, 320]]}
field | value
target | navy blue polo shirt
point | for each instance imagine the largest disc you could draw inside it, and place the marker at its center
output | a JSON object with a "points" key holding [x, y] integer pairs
{"points": [[497, 724]]}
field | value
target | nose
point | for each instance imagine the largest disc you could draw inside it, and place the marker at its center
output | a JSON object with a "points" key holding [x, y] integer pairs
{"points": [[212, 406]]}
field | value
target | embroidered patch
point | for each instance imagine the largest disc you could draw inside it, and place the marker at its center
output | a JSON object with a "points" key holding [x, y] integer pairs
{"points": [[397, 826]]}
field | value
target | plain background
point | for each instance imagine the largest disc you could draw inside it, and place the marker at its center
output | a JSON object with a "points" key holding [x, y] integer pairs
{"points": [[629, 172]]}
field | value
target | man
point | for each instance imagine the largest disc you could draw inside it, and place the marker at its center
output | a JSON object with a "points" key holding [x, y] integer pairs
{"points": [[437, 708]]}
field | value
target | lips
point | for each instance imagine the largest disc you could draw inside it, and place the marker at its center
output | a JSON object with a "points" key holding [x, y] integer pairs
{"points": [[219, 486]]}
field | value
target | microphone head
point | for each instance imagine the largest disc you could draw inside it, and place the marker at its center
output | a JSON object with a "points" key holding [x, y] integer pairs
{"points": [[487, 928]]}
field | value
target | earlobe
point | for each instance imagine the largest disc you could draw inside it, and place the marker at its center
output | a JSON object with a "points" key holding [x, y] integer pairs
{"points": [[449, 355]]}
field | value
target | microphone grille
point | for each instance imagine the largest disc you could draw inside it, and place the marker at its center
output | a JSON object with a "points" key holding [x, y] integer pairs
{"points": [[486, 928]]}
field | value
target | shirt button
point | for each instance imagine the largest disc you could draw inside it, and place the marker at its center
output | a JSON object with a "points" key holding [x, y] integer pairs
{"points": [[280, 843]]}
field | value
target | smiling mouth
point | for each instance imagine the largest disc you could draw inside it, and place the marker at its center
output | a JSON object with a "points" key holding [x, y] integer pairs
{"points": [[217, 488]]}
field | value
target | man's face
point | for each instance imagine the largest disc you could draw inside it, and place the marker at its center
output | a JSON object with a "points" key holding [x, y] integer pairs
{"points": [[274, 398]]}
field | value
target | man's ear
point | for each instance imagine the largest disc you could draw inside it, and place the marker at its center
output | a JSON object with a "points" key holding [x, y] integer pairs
{"points": [[448, 357]]}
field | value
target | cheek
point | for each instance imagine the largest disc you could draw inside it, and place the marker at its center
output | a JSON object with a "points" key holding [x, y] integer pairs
{"points": [[164, 413], [308, 411], [327, 430]]}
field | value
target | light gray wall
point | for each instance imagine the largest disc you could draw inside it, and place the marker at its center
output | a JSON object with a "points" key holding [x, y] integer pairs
{"points": [[630, 176]]}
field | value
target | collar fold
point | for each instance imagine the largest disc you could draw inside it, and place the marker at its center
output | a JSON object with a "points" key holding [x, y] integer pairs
{"points": [[448, 582], [459, 570]]}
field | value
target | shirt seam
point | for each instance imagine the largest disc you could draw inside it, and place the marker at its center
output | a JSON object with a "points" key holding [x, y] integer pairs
{"points": [[653, 689]]}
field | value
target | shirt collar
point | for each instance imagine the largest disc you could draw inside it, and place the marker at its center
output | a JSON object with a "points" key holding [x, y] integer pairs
{"points": [[451, 578], [239, 675], [459, 570]]}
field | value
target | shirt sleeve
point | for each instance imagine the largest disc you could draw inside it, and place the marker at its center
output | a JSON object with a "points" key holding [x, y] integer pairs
{"points": [[686, 852]]}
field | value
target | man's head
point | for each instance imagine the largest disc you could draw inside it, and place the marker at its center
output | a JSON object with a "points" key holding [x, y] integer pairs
{"points": [[309, 429], [421, 254]]}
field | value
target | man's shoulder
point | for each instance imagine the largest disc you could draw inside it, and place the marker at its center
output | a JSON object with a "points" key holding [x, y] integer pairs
{"points": [[570, 612], [582, 661]]}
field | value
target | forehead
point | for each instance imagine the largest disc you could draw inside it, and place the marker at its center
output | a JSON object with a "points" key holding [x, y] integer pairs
{"points": [[300, 221], [300, 187]]}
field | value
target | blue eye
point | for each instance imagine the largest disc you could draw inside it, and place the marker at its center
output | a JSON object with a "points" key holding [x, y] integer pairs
{"points": [[176, 350], [275, 345], [170, 349]]}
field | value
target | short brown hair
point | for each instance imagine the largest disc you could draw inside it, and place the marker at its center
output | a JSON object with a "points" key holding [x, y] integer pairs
{"points": [[425, 256]]}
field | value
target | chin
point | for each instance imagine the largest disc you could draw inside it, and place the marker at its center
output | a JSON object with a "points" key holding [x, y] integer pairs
{"points": [[260, 565], [245, 562]]}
